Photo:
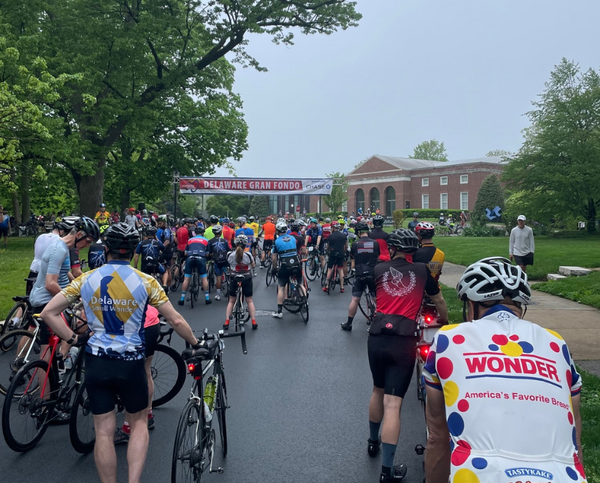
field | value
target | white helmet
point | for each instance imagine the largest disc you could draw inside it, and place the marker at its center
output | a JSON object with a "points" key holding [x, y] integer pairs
{"points": [[494, 278], [240, 240], [281, 226]]}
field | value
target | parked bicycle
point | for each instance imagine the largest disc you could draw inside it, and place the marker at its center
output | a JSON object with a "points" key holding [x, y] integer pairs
{"points": [[194, 448]]}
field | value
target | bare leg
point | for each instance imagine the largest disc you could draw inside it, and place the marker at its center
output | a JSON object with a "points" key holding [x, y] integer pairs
{"points": [[376, 405], [148, 366], [390, 430], [229, 308], [138, 444], [251, 308], [104, 449], [353, 308]]}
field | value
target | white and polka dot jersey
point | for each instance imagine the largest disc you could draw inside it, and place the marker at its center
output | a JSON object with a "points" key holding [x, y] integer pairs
{"points": [[507, 388]]}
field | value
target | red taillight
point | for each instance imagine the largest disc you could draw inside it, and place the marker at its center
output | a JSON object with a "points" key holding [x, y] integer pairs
{"points": [[424, 351], [192, 370], [429, 319]]}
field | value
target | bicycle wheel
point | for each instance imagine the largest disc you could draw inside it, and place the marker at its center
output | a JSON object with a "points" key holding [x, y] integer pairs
{"points": [[175, 280], [196, 286], [192, 287], [292, 303], [304, 309], [24, 417], [331, 284], [269, 279], [15, 319], [189, 449], [168, 374], [311, 270], [221, 410], [81, 423], [211, 277], [16, 352]]}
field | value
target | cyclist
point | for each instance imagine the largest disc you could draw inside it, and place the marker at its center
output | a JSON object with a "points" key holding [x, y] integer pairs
{"points": [[429, 253], [268, 230], [414, 222], [214, 221], [182, 236], [131, 219], [442, 219], [286, 248], [244, 229], [218, 248], [522, 421], [102, 216], [463, 219], [314, 234], [256, 229], [326, 231], [337, 246], [196, 258], [4, 225], [165, 235], [149, 248], [228, 231], [364, 253], [41, 243], [114, 362], [240, 261], [379, 234], [64, 227], [400, 286]]}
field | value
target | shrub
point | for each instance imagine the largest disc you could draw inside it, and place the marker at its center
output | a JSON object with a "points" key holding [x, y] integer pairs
{"points": [[489, 196], [398, 217], [483, 231]]}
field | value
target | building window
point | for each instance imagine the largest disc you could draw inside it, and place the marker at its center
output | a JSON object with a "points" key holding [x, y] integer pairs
{"points": [[374, 199], [443, 180], [464, 201], [360, 200], [464, 179], [443, 201], [390, 200], [424, 202], [424, 181], [273, 204]]}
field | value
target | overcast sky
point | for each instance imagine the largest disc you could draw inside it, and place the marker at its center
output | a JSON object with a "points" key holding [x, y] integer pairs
{"points": [[460, 71]]}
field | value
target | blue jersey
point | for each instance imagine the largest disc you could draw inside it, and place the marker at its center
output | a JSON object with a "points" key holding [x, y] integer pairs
{"points": [[197, 247], [285, 246], [249, 232], [314, 234], [164, 235], [149, 249]]}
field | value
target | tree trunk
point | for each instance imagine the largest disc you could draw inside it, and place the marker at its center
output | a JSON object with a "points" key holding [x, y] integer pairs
{"points": [[591, 216], [15, 199], [91, 191], [25, 200], [125, 198]]}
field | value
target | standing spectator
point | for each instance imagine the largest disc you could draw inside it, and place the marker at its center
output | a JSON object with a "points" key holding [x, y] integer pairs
{"points": [[131, 219], [415, 221], [116, 218], [463, 219], [4, 225], [521, 245]]}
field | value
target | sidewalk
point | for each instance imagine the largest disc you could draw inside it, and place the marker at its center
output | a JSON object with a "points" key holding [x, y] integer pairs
{"points": [[578, 324]]}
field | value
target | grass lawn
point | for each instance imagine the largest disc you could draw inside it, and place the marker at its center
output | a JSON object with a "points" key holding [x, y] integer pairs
{"points": [[590, 432], [580, 289], [550, 253], [455, 306]]}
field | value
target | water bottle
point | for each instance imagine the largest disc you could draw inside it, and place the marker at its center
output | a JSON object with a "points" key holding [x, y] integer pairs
{"points": [[209, 393], [71, 358], [207, 413]]}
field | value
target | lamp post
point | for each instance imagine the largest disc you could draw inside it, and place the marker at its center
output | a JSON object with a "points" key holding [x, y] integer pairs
{"points": [[175, 185]]}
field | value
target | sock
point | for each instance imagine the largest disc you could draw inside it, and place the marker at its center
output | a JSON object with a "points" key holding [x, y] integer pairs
{"points": [[226, 321], [206, 295], [387, 456], [126, 429], [279, 308], [183, 295], [350, 319], [218, 291], [373, 427], [150, 414], [253, 321]]}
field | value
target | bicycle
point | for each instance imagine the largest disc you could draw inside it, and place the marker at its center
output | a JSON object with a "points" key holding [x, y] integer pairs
{"points": [[240, 314], [367, 303], [194, 447], [19, 316], [295, 301], [17, 348], [34, 400], [271, 277], [312, 265], [194, 287], [177, 275]]}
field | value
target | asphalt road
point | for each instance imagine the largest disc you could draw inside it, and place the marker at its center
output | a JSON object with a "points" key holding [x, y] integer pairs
{"points": [[298, 406]]}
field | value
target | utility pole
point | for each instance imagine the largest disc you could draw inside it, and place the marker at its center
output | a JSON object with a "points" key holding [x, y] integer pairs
{"points": [[175, 186]]}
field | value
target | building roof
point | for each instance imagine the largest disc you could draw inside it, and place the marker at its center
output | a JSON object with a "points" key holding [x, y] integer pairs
{"points": [[410, 164]]}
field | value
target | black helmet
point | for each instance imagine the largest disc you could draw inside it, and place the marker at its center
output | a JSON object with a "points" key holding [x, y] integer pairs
{"points": [[378, 220], [199, 230], [121, 238], [251, 218], [404, 240], [361, 226], [150, 231], [88, 226], [295, 226], [214, 219]]}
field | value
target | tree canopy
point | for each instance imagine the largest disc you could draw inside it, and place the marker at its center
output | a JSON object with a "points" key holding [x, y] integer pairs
{"points": [[431, 150], [489, 197], [558, 165], [339, 192]]}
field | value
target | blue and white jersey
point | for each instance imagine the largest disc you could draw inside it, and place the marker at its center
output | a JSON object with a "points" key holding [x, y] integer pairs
{"points": [[285, 246], [115, 297]]}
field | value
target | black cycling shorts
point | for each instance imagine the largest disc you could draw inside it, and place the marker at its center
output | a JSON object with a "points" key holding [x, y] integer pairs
{"points": [[335, 259], [392, 361], [360, 284], [44, 333], [151, 335], [284, 274], [105, 378], [267, 245], [32, 276], [246, 287]]}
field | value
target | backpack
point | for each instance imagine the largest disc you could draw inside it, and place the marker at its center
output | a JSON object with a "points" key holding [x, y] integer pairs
{"points": [[149, 260], [221, 248]]}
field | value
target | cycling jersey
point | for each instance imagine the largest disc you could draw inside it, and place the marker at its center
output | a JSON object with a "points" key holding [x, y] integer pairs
{"points": [[286, 247], [183, 235], [433, 257], [243, 266], [269, 230], [196, 247], [326, 229], [149, 249], [299, 240], [96, 256], [246, 230], [41, 243], [400, 287], [114, 298], [208, 233], [75, 262], [507, 386], [218, 249], [228, 234], [337, 241], [255, 228], [102, 217], [165, 235], [313, 234], [412, 225], [55, 261], [365, 253], [381, 236]]}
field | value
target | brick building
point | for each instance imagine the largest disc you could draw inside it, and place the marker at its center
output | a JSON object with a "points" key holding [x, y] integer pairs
{"points": [[391, 183]]}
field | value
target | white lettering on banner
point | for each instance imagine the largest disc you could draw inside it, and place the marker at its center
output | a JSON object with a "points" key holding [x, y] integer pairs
{"points": [[241, 186]]}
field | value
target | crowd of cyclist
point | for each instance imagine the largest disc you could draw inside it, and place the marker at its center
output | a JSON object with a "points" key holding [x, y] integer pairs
{"points": [[401, 267]]}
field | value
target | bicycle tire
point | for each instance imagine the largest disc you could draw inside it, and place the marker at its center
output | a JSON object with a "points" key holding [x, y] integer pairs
{"points": [[331, 285], [8, 324], [196, 291], [20, 406], [11, 359], [165, 363], [81, 423], [269, 279], [186, 457], [192, 287], [221, 410], [310, 271], [175, 279], [304, 312], [291, 303]]}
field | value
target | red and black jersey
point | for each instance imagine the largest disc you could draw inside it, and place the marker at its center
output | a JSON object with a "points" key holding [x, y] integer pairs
{"points": [[381, 236], [299, 240], [400, 287], [365, 253]]}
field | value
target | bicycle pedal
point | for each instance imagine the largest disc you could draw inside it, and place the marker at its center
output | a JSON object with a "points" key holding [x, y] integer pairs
{"points": [[420, 449]]}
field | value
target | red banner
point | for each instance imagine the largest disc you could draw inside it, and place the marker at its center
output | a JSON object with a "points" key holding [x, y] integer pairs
{"points": [[251, 186]]}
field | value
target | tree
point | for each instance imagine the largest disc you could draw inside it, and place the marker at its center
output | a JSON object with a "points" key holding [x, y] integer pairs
{"points": [[489, 197], [498, 152], [231, 206], [259, 206], [431, 150], [559, 162], [339, 192], [136, 57]]}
